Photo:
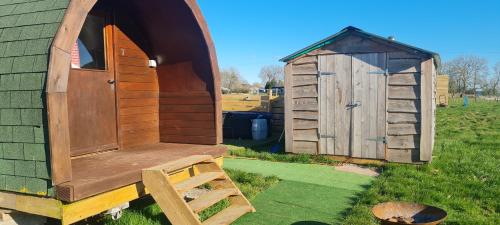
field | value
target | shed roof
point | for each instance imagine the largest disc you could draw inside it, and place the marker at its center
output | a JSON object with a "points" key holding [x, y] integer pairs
{"points": [[349, 30]]}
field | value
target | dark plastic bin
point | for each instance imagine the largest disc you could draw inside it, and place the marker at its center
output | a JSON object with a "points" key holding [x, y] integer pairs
{"points": [[238, 125]]}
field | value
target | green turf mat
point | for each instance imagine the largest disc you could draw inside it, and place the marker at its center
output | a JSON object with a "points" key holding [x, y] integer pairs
{"points": [[306, 173], [291, 202], [308, 194]]}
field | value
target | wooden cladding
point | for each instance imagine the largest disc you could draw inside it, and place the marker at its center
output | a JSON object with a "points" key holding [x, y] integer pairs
{"points": [[305, 104], [187, 118], [404, 107], [404, 65], [309, 68], [306, 91], [137, 93], [404, 79], [304, 80], [404, 92]]}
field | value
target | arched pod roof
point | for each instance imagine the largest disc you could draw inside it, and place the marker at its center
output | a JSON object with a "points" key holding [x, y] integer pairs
{"points": [[35, 42]]}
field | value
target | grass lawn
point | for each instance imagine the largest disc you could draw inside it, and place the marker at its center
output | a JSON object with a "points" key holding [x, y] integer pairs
{"points": [[261, 150], [464, 176], [308, 193]]}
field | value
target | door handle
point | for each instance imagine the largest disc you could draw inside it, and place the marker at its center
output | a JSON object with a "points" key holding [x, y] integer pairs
{"points": [[111, 81]]}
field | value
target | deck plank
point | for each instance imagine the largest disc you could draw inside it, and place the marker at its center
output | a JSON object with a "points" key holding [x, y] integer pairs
{"points": [[108, 171]]}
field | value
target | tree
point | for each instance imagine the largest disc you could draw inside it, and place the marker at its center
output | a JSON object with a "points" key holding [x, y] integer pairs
{"points": [[272, 73], [232, 80], [479, 70], [270, 84], [495, 80], [466, 73]]}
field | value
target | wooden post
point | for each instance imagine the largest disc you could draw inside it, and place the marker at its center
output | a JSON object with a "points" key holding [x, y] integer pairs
{"points": [[427, 116], [288, 109]]}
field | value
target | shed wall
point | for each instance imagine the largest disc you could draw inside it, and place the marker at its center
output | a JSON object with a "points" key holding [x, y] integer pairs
{"points": [[27, 29], [410, 92]]}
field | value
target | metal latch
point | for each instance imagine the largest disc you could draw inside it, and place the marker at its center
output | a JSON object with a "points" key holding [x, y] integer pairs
{"points": [[378, 139], [380, 72], [353, 105], [321, 73]]}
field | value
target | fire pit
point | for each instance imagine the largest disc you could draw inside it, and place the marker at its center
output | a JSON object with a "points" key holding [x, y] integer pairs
{"points": [[397, 213]]}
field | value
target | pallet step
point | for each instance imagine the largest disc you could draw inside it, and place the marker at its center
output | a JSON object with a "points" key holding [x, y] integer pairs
{"points": [[197, 180], [228, 215], [211, 198]]}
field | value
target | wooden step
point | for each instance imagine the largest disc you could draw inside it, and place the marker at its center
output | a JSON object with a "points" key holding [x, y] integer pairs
{"points": [[211, 198], [197, 180], [228, 215], [182, 163]]}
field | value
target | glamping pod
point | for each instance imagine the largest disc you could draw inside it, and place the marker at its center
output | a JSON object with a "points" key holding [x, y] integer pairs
{"points": [[93, 92], [359, 95]]}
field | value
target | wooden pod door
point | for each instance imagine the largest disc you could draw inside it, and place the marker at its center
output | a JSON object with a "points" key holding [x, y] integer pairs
{"points": [[91, 89], [352, 97]]}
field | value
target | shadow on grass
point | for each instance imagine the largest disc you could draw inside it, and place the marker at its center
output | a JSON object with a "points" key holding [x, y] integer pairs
{"points": [[359, 196]]}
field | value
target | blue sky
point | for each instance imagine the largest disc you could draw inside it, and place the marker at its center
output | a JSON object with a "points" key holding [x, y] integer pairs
{"points": [[249, 34]]}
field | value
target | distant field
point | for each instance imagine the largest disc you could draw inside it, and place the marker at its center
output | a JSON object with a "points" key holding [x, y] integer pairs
{"points": [[464, 177]]}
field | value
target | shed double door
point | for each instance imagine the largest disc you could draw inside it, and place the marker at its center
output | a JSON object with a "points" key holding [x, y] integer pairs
{"points": [[352, 110]]}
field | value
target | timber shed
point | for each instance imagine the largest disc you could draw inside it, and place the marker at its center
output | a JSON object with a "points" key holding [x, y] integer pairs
{"points": [[94, 91], [359, 95]]}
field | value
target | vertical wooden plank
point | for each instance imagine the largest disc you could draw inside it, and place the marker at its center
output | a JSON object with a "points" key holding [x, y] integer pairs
{"points": [[381, 125], [59, 138], [371, 108], [322, 99], [327, 105], [426, 110], [331, 106], [288, 109], [343, 93], [368, 119], [358, 68]]}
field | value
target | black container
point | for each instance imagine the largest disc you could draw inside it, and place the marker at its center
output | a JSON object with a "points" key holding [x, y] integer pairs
{"points": [[238, 125]]}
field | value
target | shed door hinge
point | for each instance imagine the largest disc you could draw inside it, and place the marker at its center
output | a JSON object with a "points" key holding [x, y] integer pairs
{"points": [[326, 136], [321, 73], [378, 139], [380, 72]]}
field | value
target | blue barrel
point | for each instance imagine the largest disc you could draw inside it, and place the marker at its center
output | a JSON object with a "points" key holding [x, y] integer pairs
{"points": [[259, 129]]}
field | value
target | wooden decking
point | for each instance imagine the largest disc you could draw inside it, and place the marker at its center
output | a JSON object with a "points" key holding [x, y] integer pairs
{"points": [[104, 172]]}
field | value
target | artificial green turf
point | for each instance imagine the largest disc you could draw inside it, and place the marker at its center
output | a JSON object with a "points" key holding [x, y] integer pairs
{"points": [[306, 173], [308, 194], [463, 178], [291, 202]]}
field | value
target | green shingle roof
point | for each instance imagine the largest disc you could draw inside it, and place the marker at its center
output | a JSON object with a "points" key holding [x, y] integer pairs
{"points": [[27, 28]]}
